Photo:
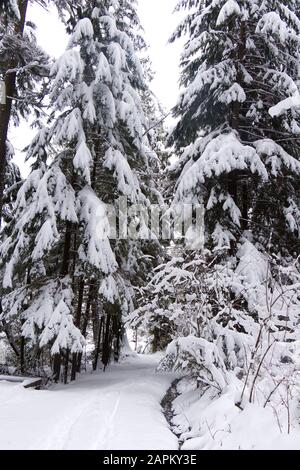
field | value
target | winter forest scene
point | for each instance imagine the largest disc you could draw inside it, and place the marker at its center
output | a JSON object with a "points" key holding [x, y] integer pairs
{"points": [[150, 225]]}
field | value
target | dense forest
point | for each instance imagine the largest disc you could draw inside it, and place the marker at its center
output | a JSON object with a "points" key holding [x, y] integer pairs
{"points": [[182, 240]]}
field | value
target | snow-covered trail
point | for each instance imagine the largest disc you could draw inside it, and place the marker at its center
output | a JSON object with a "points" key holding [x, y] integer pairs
{"points": [[118, 409]]}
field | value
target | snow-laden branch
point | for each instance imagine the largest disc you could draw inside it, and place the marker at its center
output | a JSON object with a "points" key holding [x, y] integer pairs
{"points": [[285, 105]]}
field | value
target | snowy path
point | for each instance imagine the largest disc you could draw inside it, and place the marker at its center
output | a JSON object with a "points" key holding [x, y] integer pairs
{"points": [[119, 409]]}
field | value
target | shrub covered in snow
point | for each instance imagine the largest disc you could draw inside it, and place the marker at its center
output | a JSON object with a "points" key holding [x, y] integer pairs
{"points": [[197, 357]]}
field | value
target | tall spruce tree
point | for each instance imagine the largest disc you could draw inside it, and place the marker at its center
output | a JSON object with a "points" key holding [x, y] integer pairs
{"points": [[241, 58]]}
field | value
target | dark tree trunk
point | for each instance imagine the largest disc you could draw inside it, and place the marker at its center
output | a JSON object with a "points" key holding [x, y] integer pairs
{"points": [[77, 323], [66, 367], [245, 223], [156, 340], [5, 108], [117, 334], [232, 186], [85, 325], [67, 250], [95, 315], [22, 354], [106, 351], [64, 272], [98, 346], [56, 367]]}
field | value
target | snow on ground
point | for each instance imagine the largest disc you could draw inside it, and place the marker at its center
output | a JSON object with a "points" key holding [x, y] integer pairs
{"points": [[212, 422], [118, 409]]}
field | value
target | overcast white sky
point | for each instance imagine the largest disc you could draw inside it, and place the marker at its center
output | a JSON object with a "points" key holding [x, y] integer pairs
{"points": [[158, 21]]}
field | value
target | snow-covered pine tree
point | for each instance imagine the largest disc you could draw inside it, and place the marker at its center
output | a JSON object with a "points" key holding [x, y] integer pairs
{"points": [[22, 65], [35, 255], [241, 160], [61, 268], [121, 155], [240, 59]]}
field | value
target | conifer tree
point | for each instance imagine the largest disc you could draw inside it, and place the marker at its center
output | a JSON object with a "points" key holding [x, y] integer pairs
{"points": [[240, 59]]}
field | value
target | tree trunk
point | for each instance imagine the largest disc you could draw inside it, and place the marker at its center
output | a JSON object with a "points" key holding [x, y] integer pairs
{"points": [[106, 351], [245, 223], [156, 341], [56, 367], [98, 346], [77, 323], [64, 272], [232, 185], [5, 108], [22, 355], [66, 367], [67, 250], [95, 316], [117, 335], [85, 325]]}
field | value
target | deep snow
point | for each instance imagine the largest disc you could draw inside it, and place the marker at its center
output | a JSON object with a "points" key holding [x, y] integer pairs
{"points": [[118, 409], [211, 421]]}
